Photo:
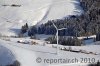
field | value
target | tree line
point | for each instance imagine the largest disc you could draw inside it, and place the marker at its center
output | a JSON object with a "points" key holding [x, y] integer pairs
{"points": [[84, 25]]}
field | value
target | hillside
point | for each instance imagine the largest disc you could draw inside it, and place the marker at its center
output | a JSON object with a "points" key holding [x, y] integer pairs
{"points": [[78, 45], [15, 13]]}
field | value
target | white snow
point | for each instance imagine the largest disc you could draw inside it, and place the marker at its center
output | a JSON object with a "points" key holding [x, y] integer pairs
{"points": [[27, 54], [6, 56], [36, 12], [33, 12], [83, 37]]}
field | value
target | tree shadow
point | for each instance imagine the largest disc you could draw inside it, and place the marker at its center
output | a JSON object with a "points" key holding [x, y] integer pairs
{"points": [[15, 30]]}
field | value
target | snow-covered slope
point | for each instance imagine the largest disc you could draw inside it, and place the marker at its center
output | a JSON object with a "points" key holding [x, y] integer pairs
{"points": [[27, 54], [6, 56], [33, 12]]}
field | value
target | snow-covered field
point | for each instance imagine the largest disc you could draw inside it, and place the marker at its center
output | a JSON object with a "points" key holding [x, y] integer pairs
{"points": [[6, 56], [27, 54], [33, 12], [40, 53]]}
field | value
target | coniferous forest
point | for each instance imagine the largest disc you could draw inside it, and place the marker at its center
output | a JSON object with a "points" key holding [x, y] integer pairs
{"points": [[86, 24]]}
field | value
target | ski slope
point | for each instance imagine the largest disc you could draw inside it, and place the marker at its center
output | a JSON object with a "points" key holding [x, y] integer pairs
{"points": [[27, 54], [33, 12]]}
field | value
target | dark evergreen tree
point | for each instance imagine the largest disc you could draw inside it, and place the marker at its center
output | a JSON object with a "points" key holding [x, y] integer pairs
{"points": [[24, 28], [32, 31], [98, 37], [84, 25], [65, 41]]}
